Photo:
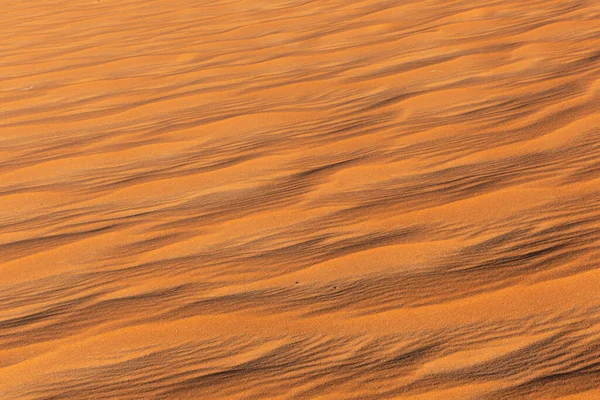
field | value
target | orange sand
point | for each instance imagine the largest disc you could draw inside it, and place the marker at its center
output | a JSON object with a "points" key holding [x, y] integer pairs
{"points": [[294, 199]]}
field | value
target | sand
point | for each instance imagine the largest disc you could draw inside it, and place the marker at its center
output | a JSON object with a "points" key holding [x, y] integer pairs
{"points": [[294, 199]]}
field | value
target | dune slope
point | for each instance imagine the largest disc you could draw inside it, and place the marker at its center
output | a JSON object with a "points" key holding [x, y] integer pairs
{"points": [[296, 199]]}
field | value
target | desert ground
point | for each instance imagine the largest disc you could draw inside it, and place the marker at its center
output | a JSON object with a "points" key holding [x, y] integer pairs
{"points": [[299, 199]]}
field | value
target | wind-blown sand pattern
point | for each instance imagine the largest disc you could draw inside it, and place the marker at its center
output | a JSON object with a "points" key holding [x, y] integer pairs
{"points": [[300, 199]]}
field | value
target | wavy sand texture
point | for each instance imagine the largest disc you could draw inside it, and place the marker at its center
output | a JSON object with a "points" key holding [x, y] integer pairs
{"points": [[296, 199]]}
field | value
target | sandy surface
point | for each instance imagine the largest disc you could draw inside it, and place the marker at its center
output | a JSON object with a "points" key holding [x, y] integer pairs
{"points": [[300, 199]]}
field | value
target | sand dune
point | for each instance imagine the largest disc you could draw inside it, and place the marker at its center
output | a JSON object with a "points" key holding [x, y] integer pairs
{"points": [[295, 199]]}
